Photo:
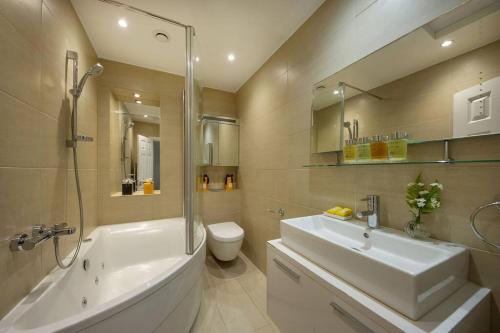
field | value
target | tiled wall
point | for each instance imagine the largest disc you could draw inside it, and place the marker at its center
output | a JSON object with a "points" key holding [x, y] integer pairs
{"points": [[274, 109], [36, 168], [167, 88], [220, 206]]}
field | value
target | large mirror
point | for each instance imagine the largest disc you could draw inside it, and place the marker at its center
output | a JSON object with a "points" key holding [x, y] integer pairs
{"points": [[134, 143], [442, 81]]}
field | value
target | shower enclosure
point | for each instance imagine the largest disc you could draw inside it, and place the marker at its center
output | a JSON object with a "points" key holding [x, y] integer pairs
{"points": [[191, 135]]}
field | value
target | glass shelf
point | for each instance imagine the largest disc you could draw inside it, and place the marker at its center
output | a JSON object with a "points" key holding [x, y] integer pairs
{"points": [[418, 141], [399, 163]]}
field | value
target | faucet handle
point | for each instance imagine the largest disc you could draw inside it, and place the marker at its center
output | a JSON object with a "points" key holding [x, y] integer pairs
{"points": [[38, 230], [60, 226]]}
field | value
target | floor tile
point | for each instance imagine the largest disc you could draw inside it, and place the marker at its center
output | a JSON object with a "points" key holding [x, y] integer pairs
{"points": [[234, 298]]}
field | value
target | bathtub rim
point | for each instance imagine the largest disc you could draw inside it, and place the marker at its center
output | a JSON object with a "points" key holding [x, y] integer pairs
{"points": [[107, 309]]}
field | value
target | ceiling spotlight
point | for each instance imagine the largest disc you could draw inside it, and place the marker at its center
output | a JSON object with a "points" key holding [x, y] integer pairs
{"points": [[122, 23], [335, 92], [138, 101], [136, 95], [446, 43], [197, 59], [145, 116], [231, 57]]}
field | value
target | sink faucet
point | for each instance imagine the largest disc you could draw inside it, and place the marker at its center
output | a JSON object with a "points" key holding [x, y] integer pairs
{"points": [[373, 212]]}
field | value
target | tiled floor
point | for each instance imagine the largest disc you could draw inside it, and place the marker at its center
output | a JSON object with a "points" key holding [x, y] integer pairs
{"points": [[234, 299]]}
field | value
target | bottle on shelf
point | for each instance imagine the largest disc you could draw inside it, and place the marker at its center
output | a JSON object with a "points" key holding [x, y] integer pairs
{"points": [[363, 149], [378, 147], [398, 146], [349, 151]]}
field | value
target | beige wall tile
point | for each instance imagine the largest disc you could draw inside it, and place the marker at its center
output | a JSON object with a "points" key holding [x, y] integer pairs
{"points": [[275, 136], [20, 206], [21, 65], [34, 127], [25, 16]]}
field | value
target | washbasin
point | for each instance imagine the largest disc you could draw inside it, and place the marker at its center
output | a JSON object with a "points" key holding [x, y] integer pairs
{"points": [[411, 276]]}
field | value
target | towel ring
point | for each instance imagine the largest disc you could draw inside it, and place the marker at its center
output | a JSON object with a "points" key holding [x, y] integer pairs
{"points": [[473, 222]]}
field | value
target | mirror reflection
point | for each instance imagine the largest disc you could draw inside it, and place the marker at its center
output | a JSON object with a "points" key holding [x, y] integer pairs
{"points": [[135, 147], [439, 82]]}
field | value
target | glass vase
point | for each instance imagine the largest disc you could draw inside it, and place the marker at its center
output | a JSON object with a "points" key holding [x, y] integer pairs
{"points": [[416, 229]]}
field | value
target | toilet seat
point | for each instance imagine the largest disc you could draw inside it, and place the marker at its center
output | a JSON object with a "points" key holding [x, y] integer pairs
{"points": [[226, 232]]}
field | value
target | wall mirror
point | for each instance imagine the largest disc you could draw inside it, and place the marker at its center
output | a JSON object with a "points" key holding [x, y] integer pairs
{"points": [[134, 128], [441, 81]]}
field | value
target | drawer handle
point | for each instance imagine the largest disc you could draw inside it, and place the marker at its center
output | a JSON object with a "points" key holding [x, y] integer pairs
{"points": [[291, 273], [340, 310]]}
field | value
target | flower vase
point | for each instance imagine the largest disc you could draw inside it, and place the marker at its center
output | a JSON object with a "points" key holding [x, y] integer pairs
{"points": [[416, 229]]}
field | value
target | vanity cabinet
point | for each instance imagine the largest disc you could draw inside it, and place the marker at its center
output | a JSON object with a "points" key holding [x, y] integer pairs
{"points": [[302, 297], [297, 303], [221, 143]]}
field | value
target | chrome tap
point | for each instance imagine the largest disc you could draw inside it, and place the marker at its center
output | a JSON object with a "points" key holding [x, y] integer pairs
{"points": [[39, 234], [373, 212]]}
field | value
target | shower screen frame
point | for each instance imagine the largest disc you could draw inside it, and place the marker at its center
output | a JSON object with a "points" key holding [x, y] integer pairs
{"points": [[192, 217]]}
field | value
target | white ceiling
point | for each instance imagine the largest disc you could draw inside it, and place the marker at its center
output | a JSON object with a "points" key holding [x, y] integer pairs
{"points": [[138, 111], [251, 29]]}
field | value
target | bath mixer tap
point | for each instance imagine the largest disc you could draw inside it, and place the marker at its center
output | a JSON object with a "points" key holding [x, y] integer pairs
{"points": [[373, 212], [39, 234]]}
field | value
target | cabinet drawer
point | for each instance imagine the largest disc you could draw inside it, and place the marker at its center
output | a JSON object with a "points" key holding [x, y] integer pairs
{"points": [[297, 303], [287, 302]]}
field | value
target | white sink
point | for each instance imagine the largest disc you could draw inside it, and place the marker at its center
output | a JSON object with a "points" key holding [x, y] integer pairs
{"points": [[411, 276]]}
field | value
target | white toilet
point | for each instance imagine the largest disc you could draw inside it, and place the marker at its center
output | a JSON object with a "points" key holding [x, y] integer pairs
{"points": [[225, 239]]}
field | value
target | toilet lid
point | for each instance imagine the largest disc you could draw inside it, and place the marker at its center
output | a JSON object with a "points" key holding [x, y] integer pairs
{"points": [[226, 232]]}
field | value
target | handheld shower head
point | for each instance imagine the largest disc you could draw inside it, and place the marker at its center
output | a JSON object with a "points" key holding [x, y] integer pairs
{"points": [[95, 70]]}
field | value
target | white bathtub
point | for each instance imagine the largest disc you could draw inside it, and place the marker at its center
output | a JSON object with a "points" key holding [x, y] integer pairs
{"points": [[139, 280]]}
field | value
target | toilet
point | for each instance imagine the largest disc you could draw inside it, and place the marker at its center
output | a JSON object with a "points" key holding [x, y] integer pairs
{"points": [[224, 240]]}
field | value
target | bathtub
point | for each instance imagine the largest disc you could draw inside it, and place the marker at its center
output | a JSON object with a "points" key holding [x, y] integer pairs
{"points": [[137, 279]]}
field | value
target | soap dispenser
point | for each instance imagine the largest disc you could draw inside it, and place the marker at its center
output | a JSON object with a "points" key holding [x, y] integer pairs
{"points": [[206, 180], [228, 183]]}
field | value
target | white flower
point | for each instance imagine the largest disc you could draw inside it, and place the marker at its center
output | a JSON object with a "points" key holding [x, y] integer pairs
{"points": [[421, 202], [420, 184], [423, 192], [410, 184], [435, 203], [437, 185]]}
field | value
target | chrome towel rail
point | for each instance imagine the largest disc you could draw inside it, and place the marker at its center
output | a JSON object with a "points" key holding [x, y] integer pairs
{"points": [[473, 222]]}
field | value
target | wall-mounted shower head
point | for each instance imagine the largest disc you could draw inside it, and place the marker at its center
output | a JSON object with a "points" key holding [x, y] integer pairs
{"points": [[95, 70]]}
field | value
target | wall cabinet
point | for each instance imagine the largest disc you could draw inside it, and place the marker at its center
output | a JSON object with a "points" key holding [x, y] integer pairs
{"points": [[221, 144]]}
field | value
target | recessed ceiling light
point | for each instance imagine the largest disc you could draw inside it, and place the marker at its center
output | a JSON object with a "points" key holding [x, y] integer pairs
{"points": [[122, 23], [197, 59], [145, 116], [446, 43], [335, 92], [138, 101], [137, 95], [231, 57]]}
